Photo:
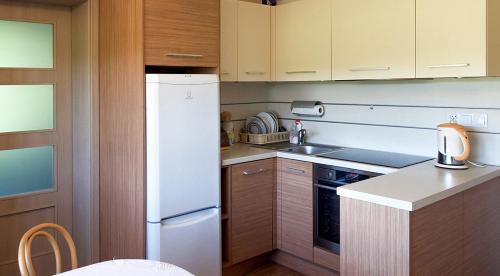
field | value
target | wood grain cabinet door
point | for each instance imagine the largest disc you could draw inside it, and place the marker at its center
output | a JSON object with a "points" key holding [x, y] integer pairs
{"points": [[451, 38], [181, 33], [303, 41], [296, 189], [373, 39], [252, 209], [254, 42], [229, 40]]}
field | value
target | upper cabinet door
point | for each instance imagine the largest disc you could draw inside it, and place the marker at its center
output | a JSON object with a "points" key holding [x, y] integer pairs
{"points": [[182, 33], [229, 40], [373, 39], [254, 42], [303, 40], [451, 38]]}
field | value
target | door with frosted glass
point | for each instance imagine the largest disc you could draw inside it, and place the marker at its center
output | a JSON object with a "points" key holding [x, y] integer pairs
{"points": [[35, 128]]}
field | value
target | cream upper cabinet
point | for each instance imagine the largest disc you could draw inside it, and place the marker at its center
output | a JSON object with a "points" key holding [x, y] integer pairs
{"points": [[254, 42], [303, 40], [229, 40], [451, 38], [373, 39]]}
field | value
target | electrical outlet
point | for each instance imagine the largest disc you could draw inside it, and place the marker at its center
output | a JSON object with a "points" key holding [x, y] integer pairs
{"points": [[469, 120], [453, 118]]}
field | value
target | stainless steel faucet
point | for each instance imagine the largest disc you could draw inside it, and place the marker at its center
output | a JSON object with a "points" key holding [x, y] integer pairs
{"points": [[302, 136]]}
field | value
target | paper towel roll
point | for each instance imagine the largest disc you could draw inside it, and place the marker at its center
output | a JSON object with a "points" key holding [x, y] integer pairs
{"points": [[308, 109]]}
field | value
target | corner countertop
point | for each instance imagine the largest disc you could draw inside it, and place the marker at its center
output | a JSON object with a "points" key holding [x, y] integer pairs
{"points": [[408, 189], [418, 186]]}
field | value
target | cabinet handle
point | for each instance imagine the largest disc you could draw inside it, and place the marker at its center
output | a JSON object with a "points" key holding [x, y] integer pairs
{"points": [[363, 69], [255, 73], [180, 55], [296, 171], [301, 72], [448, 65], [253, 172], [225, 73]]}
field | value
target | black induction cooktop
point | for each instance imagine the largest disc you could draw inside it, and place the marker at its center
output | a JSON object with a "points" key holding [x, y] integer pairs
{"points": [[379, 158]]}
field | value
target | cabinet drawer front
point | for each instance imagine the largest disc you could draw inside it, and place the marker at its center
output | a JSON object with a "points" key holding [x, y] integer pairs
{"points": [[296, 170], [182, 33], [251, 209]]}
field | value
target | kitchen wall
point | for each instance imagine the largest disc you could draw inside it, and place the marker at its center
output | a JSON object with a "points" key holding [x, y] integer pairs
{"points": [[398, 116]]}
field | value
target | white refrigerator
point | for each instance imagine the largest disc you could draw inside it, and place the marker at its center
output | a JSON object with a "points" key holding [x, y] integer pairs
{"points": [[183, 171]]}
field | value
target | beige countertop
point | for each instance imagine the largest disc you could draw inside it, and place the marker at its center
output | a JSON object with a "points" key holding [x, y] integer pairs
{"points": [[409, 189], [418, 186], [242, 153]]}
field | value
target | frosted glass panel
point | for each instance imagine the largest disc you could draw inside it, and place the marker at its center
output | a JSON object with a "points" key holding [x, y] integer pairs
{"points": [[26, 170], [26, 107], [26, 44]]}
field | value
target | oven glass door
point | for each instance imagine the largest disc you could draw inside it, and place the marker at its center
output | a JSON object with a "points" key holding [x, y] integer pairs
{"points": [[327, 214]]}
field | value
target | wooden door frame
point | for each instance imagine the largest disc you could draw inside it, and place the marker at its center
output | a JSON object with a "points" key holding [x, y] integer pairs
{"points": [[85, 62]]}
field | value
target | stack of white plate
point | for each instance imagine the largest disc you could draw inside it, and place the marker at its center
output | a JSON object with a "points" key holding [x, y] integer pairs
{"points": [[263, 123]]}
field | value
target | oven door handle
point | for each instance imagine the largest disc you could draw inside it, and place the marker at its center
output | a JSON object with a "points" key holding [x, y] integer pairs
{"points": [[326, 187]]}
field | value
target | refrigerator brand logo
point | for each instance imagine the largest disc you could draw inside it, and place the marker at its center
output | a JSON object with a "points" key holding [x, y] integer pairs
{"points": [[188, 95]]}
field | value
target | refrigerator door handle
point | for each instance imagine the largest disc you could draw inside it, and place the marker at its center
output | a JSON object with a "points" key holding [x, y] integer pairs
{"points": [[189, 219]]}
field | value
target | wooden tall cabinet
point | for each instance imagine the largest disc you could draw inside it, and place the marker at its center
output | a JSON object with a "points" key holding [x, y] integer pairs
{"points": [[303, 40], [254, 42], [458, 38], [122, 125], [295, 197], [373, 39], [181, 33]]}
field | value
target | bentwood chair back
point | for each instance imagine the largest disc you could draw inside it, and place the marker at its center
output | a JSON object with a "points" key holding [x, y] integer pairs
{"points": [[24, 252]]}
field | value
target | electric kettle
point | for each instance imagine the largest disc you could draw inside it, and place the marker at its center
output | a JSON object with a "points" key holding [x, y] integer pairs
{"points": [[453, 146]]}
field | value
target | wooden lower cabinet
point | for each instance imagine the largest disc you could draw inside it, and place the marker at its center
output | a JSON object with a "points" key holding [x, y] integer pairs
{"points": [[458, 235], [295, 198], [482, 229], [251, 209]]}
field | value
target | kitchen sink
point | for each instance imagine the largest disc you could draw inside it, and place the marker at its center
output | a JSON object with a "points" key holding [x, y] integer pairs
{"points": [[307, 149], [311, 149]]}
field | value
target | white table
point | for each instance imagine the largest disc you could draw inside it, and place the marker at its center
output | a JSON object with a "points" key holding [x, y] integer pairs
{"points": [[129, 268]]}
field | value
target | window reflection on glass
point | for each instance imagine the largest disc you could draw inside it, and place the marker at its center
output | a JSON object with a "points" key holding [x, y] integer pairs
{"points": [[26, 170], [26, 44], [26, 107]]}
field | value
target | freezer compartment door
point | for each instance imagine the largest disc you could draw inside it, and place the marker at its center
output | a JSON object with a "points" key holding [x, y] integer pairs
{"points": [[192, 242], [183, 150]]}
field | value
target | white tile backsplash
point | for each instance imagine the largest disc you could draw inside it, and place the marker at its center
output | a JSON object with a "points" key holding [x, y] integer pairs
{"points": [[398, 116]]}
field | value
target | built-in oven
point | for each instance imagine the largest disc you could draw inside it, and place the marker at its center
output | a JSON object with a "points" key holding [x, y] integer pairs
{"points": [[327, 202]]}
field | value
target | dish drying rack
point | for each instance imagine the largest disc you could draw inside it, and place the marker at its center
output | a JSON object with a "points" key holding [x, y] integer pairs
{"points": [[262, 139]]}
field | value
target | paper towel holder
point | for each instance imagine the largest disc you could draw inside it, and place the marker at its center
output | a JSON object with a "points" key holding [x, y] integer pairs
{"points": [[308, 108]]}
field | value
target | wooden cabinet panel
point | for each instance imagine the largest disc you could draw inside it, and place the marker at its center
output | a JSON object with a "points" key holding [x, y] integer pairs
{"points": [[296, 208], [374, 239], [303, 41], [326, 259], [254, 42], [181, 33], [482, 229], [436, 234], [451, 38], [373, 39], [229, 40], [121, 127], [251, 209]]}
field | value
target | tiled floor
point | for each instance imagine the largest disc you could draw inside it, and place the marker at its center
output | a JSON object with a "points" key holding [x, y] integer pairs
{"points": [[273, 269]]}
